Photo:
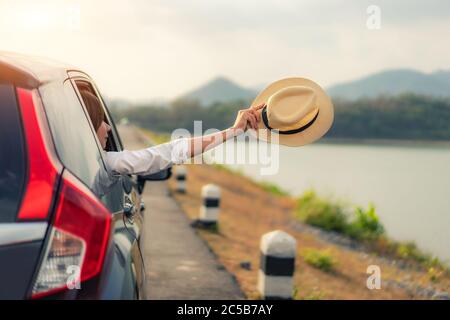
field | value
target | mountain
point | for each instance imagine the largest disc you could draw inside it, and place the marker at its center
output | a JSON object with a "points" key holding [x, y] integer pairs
{"points": [[443, 76], [392, 82], [389, 82], [219, 89]]}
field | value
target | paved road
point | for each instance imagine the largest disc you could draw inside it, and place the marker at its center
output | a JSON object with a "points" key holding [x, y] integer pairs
{"points": [[178, 263]]}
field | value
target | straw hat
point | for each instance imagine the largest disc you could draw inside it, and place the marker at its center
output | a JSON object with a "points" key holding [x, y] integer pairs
{"points": [[297, 112]]}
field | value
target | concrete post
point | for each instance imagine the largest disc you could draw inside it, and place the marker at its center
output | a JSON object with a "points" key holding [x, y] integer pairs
{"points": [[180, 176], [277, 266], [209, 211]]}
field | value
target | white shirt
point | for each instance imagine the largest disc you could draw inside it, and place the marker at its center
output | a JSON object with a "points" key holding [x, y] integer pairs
{"points": [[149, 160], [145, 161]]}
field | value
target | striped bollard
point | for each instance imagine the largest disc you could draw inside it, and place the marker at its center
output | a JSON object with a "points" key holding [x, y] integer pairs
{"points": [[209, 211], [276, 273], [180, 176]]}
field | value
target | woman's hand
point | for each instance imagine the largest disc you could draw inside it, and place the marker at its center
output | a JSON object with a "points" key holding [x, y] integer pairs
{"points": [[248, 118]]}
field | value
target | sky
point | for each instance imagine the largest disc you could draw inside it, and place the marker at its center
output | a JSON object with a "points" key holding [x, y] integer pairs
{"points": [[141, 50]]}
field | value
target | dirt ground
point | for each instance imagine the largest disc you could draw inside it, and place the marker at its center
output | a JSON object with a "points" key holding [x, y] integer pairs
{"points": [[248, 212]]}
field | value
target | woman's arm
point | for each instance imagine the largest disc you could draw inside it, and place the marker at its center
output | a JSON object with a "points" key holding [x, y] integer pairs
{"points": [[246, 118], [162, 156]]}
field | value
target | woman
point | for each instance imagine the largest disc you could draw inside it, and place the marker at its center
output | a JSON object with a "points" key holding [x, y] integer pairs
{"points": [[156, 158]]}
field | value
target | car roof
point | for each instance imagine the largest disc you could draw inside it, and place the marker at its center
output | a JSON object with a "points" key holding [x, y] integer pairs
{"points": [[31, 71]]}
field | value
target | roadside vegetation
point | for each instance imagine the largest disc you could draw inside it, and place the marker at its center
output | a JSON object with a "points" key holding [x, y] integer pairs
{"points": [[356, 223], [363, 225], [325, 268], [265, 185], [156, 138], [320, 259]]}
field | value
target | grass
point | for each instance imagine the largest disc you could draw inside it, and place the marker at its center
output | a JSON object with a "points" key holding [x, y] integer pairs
{"points": [[273, 188], [270, 187], [357, 223], [315, 295], [214, 228], [237, 243], [366, 225], [227, 169], [435, 274], [156, 138], [320, 259], [409, 250], [319, 212], [360, 224]]}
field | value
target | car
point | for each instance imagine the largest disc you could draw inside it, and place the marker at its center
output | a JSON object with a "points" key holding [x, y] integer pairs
{"points": [[68, 230]]}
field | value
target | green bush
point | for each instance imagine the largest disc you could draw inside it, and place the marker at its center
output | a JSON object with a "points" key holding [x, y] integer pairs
{"points": [[366, 224], [409, 250], [329, 215], [363, 225], [320, 259], [319, 212]]}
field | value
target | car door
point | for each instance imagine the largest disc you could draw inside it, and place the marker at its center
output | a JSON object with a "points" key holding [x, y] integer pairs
{"points": [[123, 199]]}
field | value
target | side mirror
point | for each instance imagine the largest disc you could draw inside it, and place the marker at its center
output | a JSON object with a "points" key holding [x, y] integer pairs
{"points": [[158, 176]]}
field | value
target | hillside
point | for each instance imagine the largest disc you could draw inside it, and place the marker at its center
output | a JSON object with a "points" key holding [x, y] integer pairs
{"points": [[247, 211], [388, 82], [394, 82], [218, 90], [404, 116]]}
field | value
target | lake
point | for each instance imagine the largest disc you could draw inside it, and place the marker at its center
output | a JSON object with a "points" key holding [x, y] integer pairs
{"points": [[409, 184]]}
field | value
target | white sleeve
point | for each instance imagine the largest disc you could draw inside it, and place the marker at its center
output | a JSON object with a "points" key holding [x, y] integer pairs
{"points": [[149, 160]]}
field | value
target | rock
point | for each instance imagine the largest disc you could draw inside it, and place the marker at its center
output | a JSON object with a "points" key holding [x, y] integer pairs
{"points": [[441, 296], [247, 265], [220, 267]]}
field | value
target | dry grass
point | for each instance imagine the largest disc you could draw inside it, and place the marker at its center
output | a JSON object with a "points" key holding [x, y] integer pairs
{"points": [[248, 211]]}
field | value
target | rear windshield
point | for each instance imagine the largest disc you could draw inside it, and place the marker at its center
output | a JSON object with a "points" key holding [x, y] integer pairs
{"points": [[12, 155]]}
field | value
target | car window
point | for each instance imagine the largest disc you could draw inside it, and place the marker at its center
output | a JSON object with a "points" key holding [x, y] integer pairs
{"points": [[76, 143], [12, 156], [113, 143], [71, 132]]}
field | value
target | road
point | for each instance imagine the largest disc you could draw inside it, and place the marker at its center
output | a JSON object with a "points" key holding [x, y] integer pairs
{"points": [[179, 265]]}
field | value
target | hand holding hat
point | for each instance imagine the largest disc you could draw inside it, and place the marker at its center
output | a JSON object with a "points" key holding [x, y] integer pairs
{"points": [[248, 118], [292, 112]]}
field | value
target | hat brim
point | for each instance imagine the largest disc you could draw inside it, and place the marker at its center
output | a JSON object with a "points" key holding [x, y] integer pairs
{"points": [[314, 132]]}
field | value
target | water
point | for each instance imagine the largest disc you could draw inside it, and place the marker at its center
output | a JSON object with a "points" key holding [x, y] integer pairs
{"points": [[409, 185]]}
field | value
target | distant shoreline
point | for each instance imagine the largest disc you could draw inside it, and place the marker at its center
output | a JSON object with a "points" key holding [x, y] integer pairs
{"points": [[363, 141], [387, 142]]}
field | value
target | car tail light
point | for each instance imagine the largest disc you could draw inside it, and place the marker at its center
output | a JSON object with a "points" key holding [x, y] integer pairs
{"points": [[79, 239], [43, 169]]}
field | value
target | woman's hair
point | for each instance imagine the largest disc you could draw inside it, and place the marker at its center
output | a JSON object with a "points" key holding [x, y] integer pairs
{"points": [[94, 108]]}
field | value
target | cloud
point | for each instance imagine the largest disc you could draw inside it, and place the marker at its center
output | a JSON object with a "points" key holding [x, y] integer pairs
{"points": [[142, 49]]}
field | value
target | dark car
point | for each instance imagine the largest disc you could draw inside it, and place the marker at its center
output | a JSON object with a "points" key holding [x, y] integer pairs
{"points": [[67, 231]]}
